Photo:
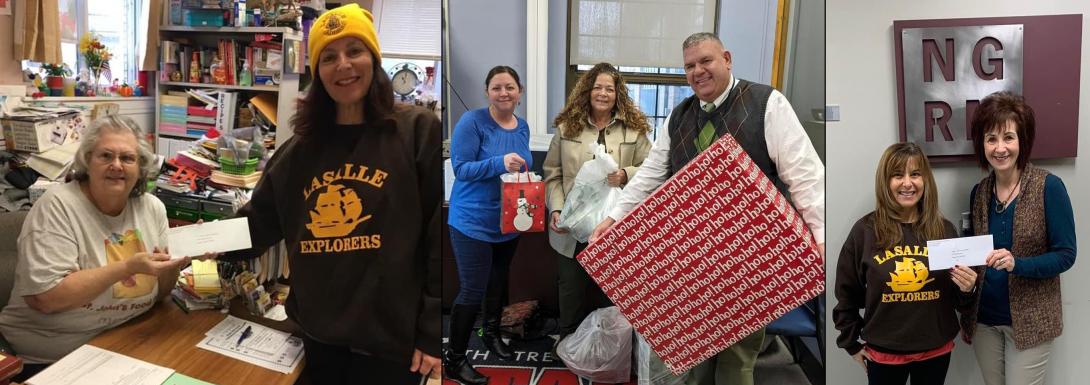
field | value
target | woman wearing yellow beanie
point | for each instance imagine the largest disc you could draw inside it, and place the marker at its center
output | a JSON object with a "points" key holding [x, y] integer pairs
{"points": [[356, 194]]}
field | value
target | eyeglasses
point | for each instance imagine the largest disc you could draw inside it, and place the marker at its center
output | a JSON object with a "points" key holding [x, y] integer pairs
{"points": [[108, 157]]}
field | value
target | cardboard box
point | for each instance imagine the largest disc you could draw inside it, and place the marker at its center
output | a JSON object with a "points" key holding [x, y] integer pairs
{"points": [[713, 255], [39, 187], [37, 134]]}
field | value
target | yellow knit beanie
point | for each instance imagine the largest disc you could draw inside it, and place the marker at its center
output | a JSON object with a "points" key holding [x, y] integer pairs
{"points": [[343, 21]]}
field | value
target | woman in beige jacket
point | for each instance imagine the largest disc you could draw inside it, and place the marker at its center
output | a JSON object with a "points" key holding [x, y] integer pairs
{"points": [[598, 110]]}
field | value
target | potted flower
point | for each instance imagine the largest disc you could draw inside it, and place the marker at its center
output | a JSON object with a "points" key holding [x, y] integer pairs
{"points": [[96, 55], [55, 74]]}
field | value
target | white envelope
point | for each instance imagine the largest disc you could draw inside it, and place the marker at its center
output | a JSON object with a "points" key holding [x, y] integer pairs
{"points": [[966, 251], [209, 237]]}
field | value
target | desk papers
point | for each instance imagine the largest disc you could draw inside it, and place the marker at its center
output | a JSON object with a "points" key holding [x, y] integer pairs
{"points": [[181, 379], [94, 365], [209, 237], [966, 251], [266, 347]]}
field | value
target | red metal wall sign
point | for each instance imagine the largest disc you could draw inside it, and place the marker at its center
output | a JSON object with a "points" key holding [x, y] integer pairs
{"points": [[953, 63]]}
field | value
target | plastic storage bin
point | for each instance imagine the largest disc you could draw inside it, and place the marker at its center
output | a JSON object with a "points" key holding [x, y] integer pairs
{"points": [[200, 17]]}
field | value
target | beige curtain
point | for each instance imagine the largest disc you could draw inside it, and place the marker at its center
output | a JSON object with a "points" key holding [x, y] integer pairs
{"points": [[38, 31], [151, 15]]}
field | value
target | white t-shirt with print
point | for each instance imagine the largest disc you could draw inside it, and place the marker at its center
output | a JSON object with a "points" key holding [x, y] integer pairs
{"points": [[63, 233]]}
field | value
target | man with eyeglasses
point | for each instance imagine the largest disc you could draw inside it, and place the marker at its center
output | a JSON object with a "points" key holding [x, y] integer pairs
{"points": [[770, 134]]}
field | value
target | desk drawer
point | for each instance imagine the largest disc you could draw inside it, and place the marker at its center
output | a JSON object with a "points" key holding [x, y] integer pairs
{"points": [[183, 214], [219, 209], [180, 202]]}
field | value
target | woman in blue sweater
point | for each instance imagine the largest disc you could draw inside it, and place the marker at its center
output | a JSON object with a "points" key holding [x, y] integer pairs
{"points": [[487, 143], [1028, 213]]}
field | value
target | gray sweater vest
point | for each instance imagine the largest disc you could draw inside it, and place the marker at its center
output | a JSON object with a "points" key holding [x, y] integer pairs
{"points": [[742, 115]]}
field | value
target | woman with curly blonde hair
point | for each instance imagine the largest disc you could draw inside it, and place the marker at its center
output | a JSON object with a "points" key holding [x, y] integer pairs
{"points": [[599, 110]]}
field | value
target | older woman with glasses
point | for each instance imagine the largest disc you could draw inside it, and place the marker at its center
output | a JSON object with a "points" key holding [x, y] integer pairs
{"points": [[92, 252]]}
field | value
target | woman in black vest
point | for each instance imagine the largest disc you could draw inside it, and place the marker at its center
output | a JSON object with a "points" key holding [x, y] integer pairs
{"points": [[1028, 213], [909, 317]]}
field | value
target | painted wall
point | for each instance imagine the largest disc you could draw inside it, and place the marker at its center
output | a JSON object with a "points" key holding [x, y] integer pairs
{"points": [[483, 34], [861, 78], [804, 80], [748, 30]]}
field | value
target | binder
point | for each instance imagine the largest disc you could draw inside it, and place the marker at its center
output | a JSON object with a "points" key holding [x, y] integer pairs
{"points": [[225, 113]]}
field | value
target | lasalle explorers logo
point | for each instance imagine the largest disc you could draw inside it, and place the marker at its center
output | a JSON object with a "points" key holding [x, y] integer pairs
{"points": [[909, 275], [334, 24], [338, 210]]}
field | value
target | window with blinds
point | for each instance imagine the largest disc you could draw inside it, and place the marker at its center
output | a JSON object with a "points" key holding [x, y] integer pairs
{"points": [[409, 28], [638, 33]]}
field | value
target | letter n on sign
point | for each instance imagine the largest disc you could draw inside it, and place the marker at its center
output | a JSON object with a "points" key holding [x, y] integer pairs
{"points": [[946, 69]]}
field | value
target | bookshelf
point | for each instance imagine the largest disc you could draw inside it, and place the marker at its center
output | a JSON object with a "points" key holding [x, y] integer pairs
{"points": [[222, 86], [209, 39]]}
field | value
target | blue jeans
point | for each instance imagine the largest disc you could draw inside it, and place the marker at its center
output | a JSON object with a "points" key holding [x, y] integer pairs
{"points": [[480, 264]]}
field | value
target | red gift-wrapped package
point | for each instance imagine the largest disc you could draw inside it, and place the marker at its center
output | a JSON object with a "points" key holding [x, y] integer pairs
{"points": [[713, 255]]}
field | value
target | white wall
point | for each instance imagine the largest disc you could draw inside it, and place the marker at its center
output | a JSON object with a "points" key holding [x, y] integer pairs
{"points": [[748, 30], [483, 34], [804, 80], [861, 78]]}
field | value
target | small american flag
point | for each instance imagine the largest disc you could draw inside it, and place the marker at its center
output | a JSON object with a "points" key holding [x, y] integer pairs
{"points": [[105, 70]]}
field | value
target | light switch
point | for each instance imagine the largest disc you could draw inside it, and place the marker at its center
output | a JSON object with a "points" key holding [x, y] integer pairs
{"points": [[832, 113]]}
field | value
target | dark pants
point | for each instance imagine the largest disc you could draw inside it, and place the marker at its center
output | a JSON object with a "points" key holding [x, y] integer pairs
{"points": [[337, 365], [481, 266], [927, 372], [579, 294]]}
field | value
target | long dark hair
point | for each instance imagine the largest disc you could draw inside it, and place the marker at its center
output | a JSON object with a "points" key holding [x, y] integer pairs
{"points": [[317, 111]]}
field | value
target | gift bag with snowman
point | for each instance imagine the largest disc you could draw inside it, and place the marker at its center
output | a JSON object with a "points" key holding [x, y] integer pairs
{"points": [[522, 203]]}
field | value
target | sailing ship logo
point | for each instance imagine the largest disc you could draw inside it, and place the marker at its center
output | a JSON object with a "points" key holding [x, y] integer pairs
{"points": [[336, 213], [334, 24], [909, 275]]}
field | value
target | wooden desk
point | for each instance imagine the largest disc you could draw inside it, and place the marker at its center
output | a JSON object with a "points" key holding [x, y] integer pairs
{"points": [[167, 336]]}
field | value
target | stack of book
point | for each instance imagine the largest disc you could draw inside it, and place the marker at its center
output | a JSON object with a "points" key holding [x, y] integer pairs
{"points": [[199, 120], [199, 287], [244, 181], [172, 117]]}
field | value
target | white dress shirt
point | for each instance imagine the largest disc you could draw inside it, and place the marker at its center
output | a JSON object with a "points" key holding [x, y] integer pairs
{"points": [[797, 163]]}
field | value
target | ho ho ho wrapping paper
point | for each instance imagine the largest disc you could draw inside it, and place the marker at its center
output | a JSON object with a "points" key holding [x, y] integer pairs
{"points": [[714, 254]]}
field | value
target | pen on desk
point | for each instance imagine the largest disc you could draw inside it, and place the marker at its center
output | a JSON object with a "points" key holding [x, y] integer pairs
{"points": [[245, 334], [179, 303]]}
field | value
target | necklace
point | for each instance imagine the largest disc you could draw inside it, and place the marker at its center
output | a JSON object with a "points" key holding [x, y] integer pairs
{"points": [[1001, 205]]}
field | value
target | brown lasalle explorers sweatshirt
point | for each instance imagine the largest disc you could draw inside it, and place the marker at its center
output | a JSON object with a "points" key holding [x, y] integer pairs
{"points": [[906, 307], [358, 207]]}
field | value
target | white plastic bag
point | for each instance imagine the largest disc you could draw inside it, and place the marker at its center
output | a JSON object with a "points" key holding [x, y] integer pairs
{"points": [[591, 197], [601, 348], [643, 361]]}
